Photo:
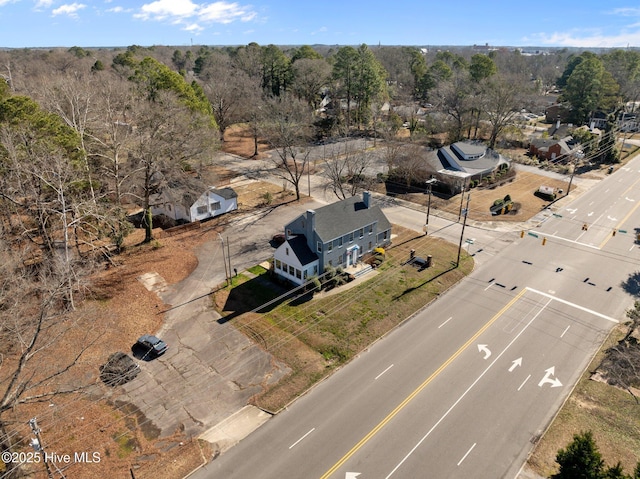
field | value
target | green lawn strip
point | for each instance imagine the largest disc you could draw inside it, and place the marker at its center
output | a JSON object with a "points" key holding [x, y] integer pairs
{"points": [[611, 414], [340, 325]]}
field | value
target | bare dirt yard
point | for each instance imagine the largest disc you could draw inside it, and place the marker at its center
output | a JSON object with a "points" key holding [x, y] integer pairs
{"points": [[521, 190]]}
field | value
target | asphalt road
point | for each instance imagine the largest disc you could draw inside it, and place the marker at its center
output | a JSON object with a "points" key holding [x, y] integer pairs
{"points": [[464, 388]]}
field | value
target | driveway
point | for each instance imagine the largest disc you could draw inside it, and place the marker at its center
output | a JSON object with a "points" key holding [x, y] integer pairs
{"points": [[211, 370]]}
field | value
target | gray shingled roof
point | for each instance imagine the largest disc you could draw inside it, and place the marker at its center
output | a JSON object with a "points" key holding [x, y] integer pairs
{"points": [[342, 217], [299, 247], [226, 193], [453, 161]]}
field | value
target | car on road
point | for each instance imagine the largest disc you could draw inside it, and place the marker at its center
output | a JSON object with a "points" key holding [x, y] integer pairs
{"points": [[152, 344]]}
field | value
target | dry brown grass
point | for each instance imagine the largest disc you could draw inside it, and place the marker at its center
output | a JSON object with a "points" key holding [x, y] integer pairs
{"points": [[521, 190]]}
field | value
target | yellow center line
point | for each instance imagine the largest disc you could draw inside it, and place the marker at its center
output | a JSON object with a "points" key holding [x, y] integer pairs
{"points": [[417, 391], [610, 235]]}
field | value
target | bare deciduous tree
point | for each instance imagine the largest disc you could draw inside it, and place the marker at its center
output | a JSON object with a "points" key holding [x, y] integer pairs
{"points": [[344, 172], [286, 126], [167, 139]]}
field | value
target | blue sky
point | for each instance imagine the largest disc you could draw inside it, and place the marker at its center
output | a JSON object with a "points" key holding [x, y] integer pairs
{"points": [[542, 23]]}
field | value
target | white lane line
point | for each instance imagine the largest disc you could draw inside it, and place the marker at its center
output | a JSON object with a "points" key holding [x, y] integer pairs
{"points": [[569, 240], [524, 382], [565, 331], [383, 372], [465, 456], [477, 380], [573, 305], [490, 284], [447, 321], [296, 443], [631, 247]]}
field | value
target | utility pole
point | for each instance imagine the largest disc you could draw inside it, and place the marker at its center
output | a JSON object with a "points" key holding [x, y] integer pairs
{"points": [[426, 225], [224, 261], [573, 172], [464, 188], [309, 175], [464, 223], [38, 446], [229, 260]]}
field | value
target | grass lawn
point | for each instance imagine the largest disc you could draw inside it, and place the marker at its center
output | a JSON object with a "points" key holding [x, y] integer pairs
{"points": [[315, 334]]}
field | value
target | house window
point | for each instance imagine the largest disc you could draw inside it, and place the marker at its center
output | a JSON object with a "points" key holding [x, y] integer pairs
{"points": [[319, 247], [340, 259], [304, 274], [288, 233], [284, 267], [360, 232], [369, 245], [201, 209], [370, 228], [292, 270], [350, 237], [315, 269], [330, 263], [330, 246], [385, 235], [215, 206], [298, 274], [340, 242], [278, 264]]}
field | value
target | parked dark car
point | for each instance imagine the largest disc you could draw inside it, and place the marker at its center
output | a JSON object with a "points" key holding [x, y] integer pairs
{"points": [[119, 369], [278, 239], [152, 344]]}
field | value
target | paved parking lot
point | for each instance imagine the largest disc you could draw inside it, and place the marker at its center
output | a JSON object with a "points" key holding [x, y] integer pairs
{"points": [[210, 370]]}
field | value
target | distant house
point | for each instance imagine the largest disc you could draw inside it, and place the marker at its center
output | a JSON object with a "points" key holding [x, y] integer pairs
{"points": [[461, 162], [187, 207], [335, 235], [557, 112], [550, 148]]}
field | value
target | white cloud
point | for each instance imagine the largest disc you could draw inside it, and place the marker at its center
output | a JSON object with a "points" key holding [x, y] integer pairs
{"points": [[224, 12], [626, 12], [42, 4], [193, 27], [70, 9], [590, 40], [192, 15], [115, 10], [165, 9]]}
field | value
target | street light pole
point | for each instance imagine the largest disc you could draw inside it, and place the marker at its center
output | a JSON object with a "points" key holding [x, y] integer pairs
{"points": [[464, 223], [426, 225]]}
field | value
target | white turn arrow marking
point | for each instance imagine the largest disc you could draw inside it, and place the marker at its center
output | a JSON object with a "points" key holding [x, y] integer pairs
{"points": [[484, 349], [612, 219], [515, 364], [352, 475], [590, 214], [547, 378], [572, 210], [629, 199]]}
